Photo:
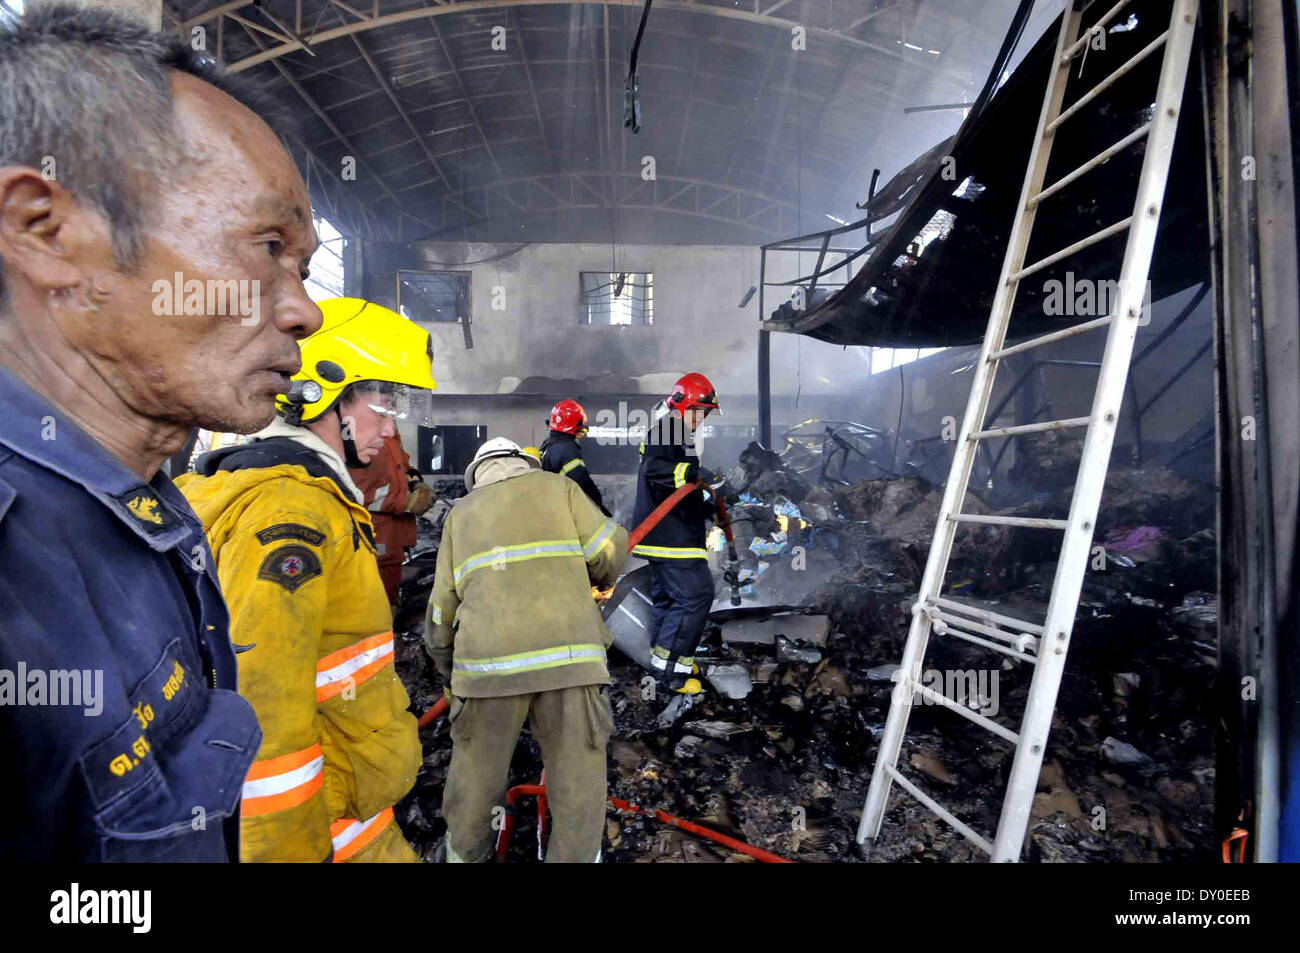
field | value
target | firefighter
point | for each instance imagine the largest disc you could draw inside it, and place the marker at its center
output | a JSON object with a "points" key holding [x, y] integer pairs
{"points": [[561, 452], [512, 626], [681, 585], [395, 495], [295, 553]]}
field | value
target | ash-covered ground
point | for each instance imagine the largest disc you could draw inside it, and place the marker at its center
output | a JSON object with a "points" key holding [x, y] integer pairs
{"points": [[1128, 775]]}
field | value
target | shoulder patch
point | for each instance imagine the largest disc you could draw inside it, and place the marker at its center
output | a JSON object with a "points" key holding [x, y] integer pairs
{"points": [[290, 566], [148, 510], [290, 531]]}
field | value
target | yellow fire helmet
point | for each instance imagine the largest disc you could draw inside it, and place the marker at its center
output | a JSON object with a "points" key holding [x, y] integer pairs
{"points": [[357, 341], [533, 452]]}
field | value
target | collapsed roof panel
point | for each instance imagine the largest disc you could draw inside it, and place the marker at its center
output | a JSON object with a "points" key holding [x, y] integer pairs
{"points": [[930, 280]]}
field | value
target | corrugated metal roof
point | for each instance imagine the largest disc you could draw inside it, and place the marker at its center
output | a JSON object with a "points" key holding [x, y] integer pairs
{"points": [[756, 131]]}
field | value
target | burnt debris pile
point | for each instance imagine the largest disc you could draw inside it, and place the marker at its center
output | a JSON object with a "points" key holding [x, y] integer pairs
{"points": [[778, 751]]}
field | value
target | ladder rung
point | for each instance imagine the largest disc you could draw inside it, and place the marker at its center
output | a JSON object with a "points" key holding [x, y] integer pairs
{"points": [[1098, 159], [1060, 335], [991, 646], [1106, 83], [1029, 522], [1020, 640], [1012, 638], [1021, 624], [1080, 43], [1078, 246], [939, 810], [973, 716], [1031, 428]]}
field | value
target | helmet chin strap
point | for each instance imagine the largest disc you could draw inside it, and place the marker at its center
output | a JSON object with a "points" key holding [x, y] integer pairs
{"points": [[349, 445]]}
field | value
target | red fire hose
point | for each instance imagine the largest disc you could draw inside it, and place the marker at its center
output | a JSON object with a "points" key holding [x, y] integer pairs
{"points": [[539, 791], [659, 512], [436, 710], [690, 827], [508, 823]]}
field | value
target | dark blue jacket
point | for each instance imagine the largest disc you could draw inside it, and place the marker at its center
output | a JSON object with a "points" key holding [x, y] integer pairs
{"points": [[561, 454], [107, 579], [669, 461]]}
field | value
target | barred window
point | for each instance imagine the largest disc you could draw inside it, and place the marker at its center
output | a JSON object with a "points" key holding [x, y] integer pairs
{"points": [[625, 297], [434, 296]]}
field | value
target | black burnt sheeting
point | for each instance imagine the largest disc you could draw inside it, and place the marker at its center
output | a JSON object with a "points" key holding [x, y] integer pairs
{"points": [[962, 198]]}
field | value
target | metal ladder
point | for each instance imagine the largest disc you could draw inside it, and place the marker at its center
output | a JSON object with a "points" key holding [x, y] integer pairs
{"points": [[1043, 646]]}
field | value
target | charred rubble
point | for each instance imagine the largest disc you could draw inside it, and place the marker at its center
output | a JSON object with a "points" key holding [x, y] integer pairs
{"points": [[828, 575]]}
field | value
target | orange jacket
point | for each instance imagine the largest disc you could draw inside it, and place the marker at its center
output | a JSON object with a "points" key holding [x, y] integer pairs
{"points": [[386, 486]]}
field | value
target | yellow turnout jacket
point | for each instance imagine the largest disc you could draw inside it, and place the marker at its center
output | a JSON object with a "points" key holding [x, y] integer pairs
{"points": [[512, 610], [311, 622]]}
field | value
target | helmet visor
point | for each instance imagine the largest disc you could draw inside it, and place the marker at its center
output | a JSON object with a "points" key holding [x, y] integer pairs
{"points": [[385, 411], [384, 398]]}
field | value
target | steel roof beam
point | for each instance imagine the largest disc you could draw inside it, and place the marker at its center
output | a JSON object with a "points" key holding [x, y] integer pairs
{"points": [[338, 134], [675, 185], [873, 14], [460, 83], [532, 88], [469, 6], [356, 13], [690, 101], [250, 25], [401, 110]]}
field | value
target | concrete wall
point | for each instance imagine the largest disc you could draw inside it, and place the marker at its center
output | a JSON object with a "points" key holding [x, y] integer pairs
{"points": [[534, 352], [535, 343]]}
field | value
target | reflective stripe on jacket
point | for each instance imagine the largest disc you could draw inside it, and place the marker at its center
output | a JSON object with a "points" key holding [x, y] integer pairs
{"points": [[297, 564], [511, 610], [349, 837]]}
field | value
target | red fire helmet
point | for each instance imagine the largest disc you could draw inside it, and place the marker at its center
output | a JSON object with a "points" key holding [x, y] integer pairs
{"points": [[568, 417], [693, 390]]}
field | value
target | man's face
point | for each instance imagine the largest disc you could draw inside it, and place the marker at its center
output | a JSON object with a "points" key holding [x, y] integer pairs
{"points": [[695, 417], [371, 419], [204, 331]]}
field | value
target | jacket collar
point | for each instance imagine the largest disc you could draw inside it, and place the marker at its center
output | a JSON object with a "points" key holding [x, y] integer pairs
{"points": [[501, 468], [35, 430], [281, 428]]}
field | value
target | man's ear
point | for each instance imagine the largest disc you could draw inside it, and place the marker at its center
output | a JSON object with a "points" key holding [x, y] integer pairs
{"points": [[35, 217]]}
